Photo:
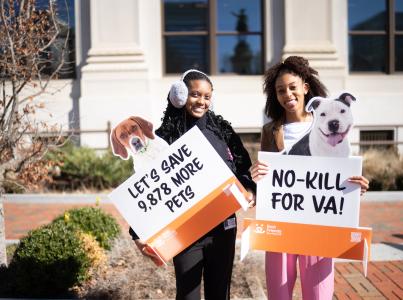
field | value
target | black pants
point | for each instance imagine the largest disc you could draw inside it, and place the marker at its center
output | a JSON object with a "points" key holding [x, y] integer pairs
{"points": [[211, 257]]}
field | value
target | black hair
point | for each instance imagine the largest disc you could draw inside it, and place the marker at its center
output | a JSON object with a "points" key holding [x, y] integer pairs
{"points": [[194, 75], [295, 65]]}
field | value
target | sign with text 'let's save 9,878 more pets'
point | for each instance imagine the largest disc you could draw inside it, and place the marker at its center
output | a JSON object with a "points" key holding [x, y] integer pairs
{"points": [[179, 196]]}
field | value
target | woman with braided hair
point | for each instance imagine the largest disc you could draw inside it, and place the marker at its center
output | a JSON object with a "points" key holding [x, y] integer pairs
{"points": [[211, 257], [289, 86]]}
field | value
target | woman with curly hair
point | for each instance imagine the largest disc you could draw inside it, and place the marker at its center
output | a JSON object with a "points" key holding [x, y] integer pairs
{"points": [[211, 257], [289, 86]]}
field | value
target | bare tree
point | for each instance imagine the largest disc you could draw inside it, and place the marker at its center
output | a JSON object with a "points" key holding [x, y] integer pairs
{"points": [[32, 53]]}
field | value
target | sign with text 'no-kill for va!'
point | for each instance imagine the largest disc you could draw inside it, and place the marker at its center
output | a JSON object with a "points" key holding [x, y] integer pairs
{"points": [[309, 190], [185, 192], [306, 205]]}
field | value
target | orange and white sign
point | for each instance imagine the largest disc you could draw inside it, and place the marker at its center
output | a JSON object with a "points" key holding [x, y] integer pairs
{"points": [[305, 205], [181, 195]]}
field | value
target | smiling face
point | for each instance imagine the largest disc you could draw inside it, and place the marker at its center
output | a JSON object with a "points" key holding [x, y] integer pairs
{"points": [[199, 98], [290, 92]]}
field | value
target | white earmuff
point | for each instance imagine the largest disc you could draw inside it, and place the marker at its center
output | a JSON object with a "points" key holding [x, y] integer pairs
{"points": [[178, 93]]}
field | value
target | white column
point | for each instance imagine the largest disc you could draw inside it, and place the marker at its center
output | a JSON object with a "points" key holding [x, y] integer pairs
{"points": [[114, 83], [311, 31], [115, 39]]}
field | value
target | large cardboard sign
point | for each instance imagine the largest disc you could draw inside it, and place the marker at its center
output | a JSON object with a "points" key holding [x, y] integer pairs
{"points": [[180, 195], [305, 205], [309, 190]]}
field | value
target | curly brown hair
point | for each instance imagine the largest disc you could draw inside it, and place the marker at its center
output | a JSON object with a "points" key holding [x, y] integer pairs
{"points": [[295, 65]]}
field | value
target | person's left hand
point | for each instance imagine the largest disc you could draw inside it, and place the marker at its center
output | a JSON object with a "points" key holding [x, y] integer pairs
{"points": [[362, 181], [251, 198]]}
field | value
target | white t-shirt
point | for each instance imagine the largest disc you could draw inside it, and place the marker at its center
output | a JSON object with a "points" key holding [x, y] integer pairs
{"points": [[293, 132]]}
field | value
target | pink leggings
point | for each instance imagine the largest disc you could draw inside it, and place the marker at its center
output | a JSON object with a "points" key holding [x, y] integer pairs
{"points": [[317, 276]]}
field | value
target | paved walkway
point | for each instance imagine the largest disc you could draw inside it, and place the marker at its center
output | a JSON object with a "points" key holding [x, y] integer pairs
{"points": [[385, 276]]}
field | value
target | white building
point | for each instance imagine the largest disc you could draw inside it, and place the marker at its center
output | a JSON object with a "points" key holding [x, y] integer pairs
{"points": [[128, 52]]}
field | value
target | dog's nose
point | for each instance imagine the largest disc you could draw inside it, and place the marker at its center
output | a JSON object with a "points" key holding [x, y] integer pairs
{"points": [[333, 125]]}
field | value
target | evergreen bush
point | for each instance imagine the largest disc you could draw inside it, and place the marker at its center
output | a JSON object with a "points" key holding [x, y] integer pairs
{"points": [[102, 226], [48, 261], [82, 167]]}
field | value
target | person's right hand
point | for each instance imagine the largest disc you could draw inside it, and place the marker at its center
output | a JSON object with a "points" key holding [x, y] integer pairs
{"points": [[258, 170], [145, 249]]}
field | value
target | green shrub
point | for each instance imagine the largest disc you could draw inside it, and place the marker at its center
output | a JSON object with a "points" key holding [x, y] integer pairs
{"points": [[114, 169], [82, 167], [93, 221], [48, 261]]}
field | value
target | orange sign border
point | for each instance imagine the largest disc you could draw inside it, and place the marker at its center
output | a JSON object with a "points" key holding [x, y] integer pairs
{"points": [[306, 239], [197, 221]]}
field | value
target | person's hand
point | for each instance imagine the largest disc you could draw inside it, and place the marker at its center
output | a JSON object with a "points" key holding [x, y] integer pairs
{"points": [[362, 181], [251, 198], [258, 170], [145, 249]]}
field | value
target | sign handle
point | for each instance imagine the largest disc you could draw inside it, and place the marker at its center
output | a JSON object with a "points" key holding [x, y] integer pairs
{"points": [[245, 243], [237, 193], [159, 261], [365, 257]]}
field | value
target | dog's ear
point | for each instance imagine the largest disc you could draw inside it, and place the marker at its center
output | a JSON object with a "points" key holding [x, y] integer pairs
{"points": [[313, 104], [117, 147], [346, 98], [146, 126]]}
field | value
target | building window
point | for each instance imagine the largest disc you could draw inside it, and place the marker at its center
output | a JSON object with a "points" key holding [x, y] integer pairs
{"points": [[375, 35], [216, 36], [53, 55], [376, 139]]}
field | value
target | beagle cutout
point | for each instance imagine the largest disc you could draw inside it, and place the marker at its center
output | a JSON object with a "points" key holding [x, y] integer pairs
{"points": [[134, 137]]}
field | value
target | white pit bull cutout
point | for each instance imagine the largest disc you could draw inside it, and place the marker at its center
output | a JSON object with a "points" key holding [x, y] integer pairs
{"points": [[333, 121]]}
